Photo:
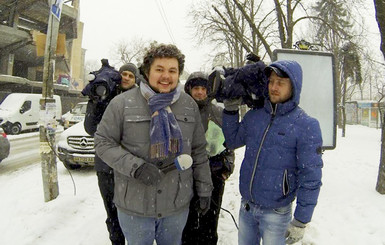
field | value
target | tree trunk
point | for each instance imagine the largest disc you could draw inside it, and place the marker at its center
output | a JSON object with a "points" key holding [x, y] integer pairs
{"points": [[380, 187], [343, 102], [380, 16]]}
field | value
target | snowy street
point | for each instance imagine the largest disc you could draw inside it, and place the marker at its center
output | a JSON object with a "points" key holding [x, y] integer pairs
{"points": [[349, 211]]}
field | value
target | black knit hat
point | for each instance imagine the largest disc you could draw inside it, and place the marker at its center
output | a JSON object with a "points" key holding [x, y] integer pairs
{"points": [[129, 67]]}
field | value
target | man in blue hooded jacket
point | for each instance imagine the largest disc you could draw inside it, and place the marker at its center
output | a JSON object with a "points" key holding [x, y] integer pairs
{"points": [[282, 160]]}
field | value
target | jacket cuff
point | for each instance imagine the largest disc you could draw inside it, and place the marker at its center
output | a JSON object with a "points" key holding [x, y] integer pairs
{"points": [[230, 112], [297, 223]]}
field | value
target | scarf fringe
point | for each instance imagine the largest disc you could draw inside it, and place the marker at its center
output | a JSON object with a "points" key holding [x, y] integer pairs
{"points": [[160, 151]]}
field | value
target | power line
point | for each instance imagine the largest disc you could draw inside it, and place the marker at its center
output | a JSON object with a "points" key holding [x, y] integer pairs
{"points": [[165, 21]]}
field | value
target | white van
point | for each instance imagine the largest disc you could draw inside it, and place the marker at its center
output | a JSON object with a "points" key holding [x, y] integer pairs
{"points": [[21, 111]]}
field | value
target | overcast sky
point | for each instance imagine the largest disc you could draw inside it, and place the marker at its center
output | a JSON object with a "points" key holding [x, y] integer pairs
{"points": [[108, 22]]}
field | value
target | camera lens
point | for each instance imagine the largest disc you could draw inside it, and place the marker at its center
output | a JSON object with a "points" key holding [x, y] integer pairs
{"points": [[101, 90]]}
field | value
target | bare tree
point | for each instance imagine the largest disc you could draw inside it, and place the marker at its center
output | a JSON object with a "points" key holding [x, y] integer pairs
{"points": [[249, 26], [350, 74], [220, 23], [130, 51], [339, 37]]}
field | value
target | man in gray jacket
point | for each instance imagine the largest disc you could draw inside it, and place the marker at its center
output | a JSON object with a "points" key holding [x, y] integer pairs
{"points": [[142, 134]]}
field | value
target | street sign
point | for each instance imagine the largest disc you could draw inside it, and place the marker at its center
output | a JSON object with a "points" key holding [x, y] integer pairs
{"points": [[56, 8], [318, 96]]}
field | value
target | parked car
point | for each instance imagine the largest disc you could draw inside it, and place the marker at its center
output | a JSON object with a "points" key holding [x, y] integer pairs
{"points": [[21, 111], [4, 145], [75, 115], [76, 148]]}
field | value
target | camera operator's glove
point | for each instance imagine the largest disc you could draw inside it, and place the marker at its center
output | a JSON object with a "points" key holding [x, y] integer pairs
{"points": [[252, 57], [222, 165], [228, 163], [203, 205], [295, 231], [148, 174], [232, 104]]}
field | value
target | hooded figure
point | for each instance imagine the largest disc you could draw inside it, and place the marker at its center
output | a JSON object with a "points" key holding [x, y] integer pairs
{"points": [[282, 159], [203, 229]]}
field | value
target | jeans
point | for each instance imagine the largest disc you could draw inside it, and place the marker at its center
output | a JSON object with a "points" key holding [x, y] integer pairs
{"points": [[257, 223], [140, 230]]}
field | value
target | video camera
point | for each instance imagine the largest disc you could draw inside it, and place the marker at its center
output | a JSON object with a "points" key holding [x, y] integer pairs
{"points": [[103, 83], [248, 82]]}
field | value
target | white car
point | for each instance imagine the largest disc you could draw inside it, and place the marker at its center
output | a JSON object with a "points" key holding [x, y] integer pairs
{"points": [[75, 115], [76, 148]]}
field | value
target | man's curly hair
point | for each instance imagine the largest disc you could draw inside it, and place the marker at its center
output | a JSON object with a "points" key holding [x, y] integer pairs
{"points": [[162, 51]]}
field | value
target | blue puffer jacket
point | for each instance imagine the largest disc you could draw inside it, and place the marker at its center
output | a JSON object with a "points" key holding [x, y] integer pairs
{"points": [[283, 151]]}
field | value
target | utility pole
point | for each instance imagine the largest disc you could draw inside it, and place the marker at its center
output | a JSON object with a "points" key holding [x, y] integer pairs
{"points": [[48, 106]]}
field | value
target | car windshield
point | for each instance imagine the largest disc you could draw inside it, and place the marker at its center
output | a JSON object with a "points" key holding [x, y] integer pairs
{"points": [[79, 109]]}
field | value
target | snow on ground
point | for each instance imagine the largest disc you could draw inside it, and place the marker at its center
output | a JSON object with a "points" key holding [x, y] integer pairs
{"points": [[349, 210]]}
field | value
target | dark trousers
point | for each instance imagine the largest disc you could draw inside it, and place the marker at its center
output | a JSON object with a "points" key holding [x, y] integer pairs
{"points": [[202, 230], [106, 187]]}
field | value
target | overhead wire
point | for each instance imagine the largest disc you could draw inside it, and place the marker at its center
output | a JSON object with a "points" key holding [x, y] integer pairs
{"points": [[165, 21]]}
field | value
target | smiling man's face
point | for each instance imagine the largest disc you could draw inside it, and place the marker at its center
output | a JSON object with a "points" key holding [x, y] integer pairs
{"points": [[163, 76]]}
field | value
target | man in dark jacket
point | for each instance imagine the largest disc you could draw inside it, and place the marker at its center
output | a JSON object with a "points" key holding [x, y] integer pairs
{"points": [[282, 160], [202, 229], [105, 174]]}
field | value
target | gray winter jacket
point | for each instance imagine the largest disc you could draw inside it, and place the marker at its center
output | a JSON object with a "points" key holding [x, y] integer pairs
{"points": [[122, 140], [211, 112]]}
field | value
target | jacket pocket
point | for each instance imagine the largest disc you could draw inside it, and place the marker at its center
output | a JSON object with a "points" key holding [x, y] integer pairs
{"points": [[184, 189], [283, 210], [128, 194], [285, 183], [137, 128], [187, 127], [186, 124]]}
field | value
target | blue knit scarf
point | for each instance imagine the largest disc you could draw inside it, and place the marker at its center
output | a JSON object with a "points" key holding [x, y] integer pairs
{"points": [[165, 133]]}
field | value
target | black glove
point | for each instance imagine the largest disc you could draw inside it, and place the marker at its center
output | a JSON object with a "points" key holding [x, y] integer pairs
{"points": [[148, 174], [203, 205], [228, 163], [252, 57], [222, 165]]}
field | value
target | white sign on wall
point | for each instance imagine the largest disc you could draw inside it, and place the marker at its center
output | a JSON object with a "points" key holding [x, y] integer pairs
{"points": [[318, 97]]}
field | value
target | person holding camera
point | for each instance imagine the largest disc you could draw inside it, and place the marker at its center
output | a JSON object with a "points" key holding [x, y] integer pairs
{"points": [[282, 160], [202, 229], [144, 136], [105, 174]]}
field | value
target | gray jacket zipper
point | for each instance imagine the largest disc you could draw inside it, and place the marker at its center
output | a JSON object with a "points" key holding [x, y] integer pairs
{"points": [[273, 112]]}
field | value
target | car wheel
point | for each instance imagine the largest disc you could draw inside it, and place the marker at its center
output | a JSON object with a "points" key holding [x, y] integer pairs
{"points": [[15, 128], [71, 166]]}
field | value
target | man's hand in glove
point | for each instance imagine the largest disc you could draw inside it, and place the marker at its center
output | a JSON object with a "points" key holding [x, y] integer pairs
{"points": [[148, 174], [295, 231], [203, 205]]}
